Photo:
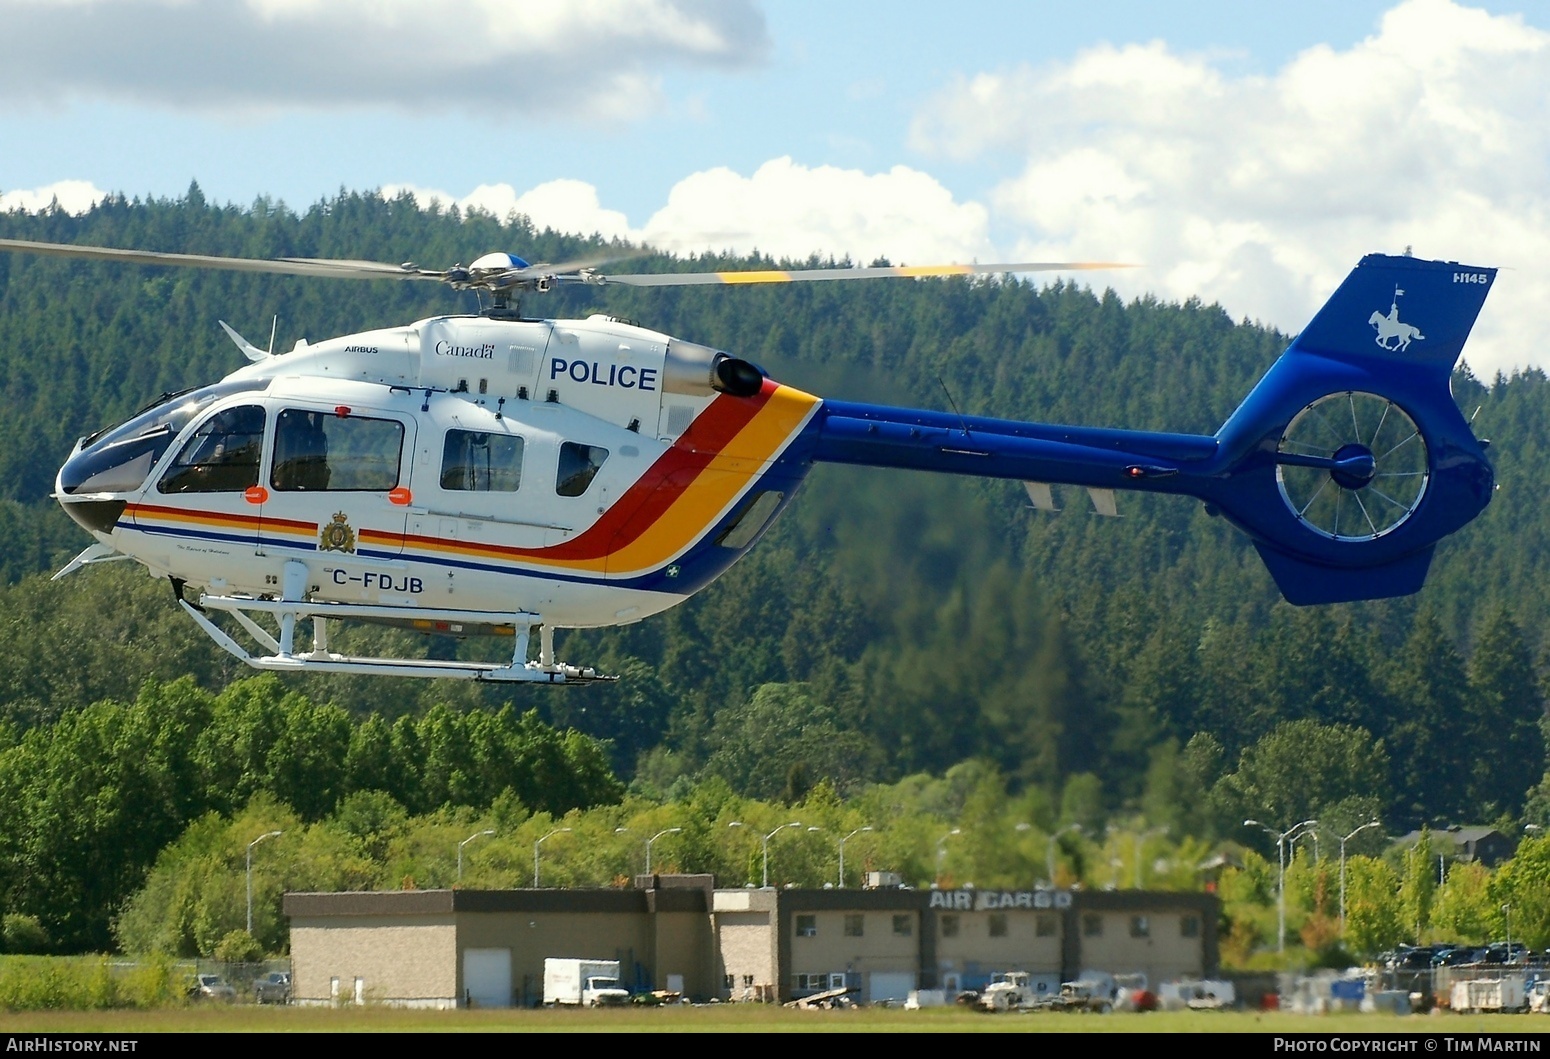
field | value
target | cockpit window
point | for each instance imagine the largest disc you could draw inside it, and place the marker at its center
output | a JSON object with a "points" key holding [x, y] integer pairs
{"points": [[118, 460], [579, 464], [222, 456], [314, 451]]}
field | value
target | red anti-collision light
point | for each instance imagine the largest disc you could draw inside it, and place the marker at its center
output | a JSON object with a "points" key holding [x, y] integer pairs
{"points": [[255, 494], [400, 495], [341, 410]]}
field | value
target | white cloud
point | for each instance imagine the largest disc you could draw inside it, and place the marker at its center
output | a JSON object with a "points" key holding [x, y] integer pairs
{"points": [[72, 196], [1262, 192], [596, 59], [564, 205], [788, 210], [784, 210]]}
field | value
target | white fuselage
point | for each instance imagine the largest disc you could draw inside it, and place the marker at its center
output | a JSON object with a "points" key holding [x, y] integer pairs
{"points": [[578, 470]]}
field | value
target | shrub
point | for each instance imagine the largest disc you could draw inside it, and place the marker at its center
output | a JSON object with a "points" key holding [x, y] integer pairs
{"points": [[238, 946], [23, 934]]}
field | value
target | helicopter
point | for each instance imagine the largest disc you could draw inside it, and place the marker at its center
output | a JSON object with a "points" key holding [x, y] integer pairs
{"points": [[495, 474]]}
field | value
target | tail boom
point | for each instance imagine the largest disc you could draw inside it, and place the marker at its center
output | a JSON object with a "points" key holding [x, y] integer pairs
{"points": [[1346, 463]]}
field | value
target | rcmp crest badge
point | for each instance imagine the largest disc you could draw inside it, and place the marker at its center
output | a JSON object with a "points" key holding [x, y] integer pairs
{"points": [[337, 536]]}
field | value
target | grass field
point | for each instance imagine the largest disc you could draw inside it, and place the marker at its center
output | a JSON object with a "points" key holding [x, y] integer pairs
{"points": [[732, 1018]]}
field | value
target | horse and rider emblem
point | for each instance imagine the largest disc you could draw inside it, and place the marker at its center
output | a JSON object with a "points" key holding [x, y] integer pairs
{"points": [[337, 536], [1394, 334]]}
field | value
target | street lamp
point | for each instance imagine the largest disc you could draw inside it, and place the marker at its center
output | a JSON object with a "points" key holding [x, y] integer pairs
{"points": [[844, 840], [1141, 837], [941, 848], [653, 838], [1507, 911], [466, 841], [1053, 841], [1281, 837], [556, 831], [256, 841], [795, 823], [1343, 841]]}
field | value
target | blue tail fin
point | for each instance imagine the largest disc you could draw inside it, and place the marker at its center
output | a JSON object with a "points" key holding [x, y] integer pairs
{"points": [[1350, 460]]}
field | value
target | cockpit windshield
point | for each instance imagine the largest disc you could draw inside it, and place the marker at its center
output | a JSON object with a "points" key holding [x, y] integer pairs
{"points": [[118, 460]]}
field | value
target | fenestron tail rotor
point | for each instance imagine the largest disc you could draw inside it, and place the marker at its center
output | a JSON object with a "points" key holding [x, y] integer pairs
{"points": [[1352, 466]]}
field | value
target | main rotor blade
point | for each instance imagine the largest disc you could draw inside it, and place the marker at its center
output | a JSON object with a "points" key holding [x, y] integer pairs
{"points": [[285, 266], [811, 275]]}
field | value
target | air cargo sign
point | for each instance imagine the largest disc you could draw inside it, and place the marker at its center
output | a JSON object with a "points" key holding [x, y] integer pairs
{"points": [[998, 900]]}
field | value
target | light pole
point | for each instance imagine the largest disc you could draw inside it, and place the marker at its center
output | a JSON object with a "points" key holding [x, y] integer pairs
{"points": [[844, 840], [941, 848], [466, 841], [1141, 837], [1281, 837], [556, 831], [1507, 911], [256, 841], [653, 838], [795, 823], [1054, 840], [1343, 841]]}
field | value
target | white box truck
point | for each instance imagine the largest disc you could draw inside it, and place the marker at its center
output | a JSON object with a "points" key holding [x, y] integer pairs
{"points": [[584, 983]]}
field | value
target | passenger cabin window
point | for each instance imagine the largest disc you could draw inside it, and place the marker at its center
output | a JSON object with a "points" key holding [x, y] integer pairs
{"points": [[314, 451], [222, 456], [750, 520], [579, 464], [481, 462]]}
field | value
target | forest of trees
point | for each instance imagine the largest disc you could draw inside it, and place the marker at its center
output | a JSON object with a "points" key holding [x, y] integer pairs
{"points": [[892, 625]]}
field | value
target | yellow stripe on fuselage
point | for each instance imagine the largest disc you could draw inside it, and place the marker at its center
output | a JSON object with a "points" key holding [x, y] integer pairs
{"points": [[715, 486], [718, 484]]}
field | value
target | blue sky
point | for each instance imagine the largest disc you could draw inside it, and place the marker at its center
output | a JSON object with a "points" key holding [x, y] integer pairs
{"points": [[1243, 153]]}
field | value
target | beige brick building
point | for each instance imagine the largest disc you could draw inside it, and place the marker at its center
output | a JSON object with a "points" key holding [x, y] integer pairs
{"points": [[457, 948]]}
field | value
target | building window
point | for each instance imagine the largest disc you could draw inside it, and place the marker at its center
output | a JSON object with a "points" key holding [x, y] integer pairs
{"points": [[1092, 926], [1044, 926], [998, 924], [807, 926], [854, 923], [729, 981], [1140, 927], [1189, 926], [904, 926], [949, 926], [747, 981]]}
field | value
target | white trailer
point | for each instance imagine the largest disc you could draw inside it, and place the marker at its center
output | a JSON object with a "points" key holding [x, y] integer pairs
{"points": [[1489, 994], [583, 983]]}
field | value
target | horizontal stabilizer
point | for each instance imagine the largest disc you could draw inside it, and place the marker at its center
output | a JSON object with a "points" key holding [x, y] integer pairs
{"points": [[1040, 496], [1103, 502], [1304, 583]]}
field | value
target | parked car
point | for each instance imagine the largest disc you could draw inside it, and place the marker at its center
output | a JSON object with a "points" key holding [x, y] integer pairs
{"points": [[273, 988], [211, 987]]}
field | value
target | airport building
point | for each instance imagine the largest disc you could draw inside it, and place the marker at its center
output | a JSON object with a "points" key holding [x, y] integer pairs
{"points": [[486, 948]]}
